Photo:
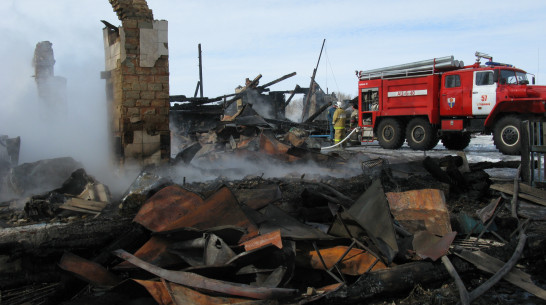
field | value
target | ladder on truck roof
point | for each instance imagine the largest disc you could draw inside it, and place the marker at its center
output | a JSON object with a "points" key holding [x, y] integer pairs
{"points": [[418, 68]]}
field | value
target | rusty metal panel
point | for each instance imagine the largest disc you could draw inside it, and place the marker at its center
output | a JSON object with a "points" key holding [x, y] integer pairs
{"points": [[89, 271], [165, 207], [158, 291], [174, 208], [273, 238], [270, 145], [154, 251], [260, 197], [428, 245], [354, 262], [220, 209], [200, 282], [419, 210]]}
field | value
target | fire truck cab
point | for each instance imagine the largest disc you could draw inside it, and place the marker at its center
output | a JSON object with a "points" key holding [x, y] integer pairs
{"points": [[441, 99]]}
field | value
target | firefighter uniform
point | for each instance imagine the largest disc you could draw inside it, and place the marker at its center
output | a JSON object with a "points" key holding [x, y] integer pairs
{"points": [[339, 123]]}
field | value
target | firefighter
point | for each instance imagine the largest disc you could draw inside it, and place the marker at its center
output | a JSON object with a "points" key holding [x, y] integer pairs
{"points": [[330, 117], [339, 123], [353, 122]]}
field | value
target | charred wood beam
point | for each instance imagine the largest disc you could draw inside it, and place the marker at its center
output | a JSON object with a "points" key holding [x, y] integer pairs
{"points": [[46, 239], [285, 124], [193, 100], [397, 279], [292, 93], [312, 85], [316, 114], [196, 89], [238, 95], [110, 26], [200, 73], [276, 81], [514, 202]]}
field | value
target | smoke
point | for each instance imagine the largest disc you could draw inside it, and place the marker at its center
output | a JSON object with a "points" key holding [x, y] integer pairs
{"points": [[294, 109], [77, 128], [230, 166], [260, 104]]}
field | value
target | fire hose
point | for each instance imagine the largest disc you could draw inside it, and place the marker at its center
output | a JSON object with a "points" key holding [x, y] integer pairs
{"points": [[342, 141]]}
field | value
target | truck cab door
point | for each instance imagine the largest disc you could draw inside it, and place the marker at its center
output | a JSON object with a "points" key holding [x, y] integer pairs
{"points": [[451, 103], [484, 92]]}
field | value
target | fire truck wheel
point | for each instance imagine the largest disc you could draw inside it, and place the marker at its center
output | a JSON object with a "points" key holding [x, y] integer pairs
{"points": [[389, 134], [456, 141], [420, 134], [507, 136]]}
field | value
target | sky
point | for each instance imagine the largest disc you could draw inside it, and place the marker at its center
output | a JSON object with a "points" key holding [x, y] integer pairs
{"points": [[241, 39]]}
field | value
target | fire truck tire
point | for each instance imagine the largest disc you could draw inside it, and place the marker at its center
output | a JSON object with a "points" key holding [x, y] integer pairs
{"points": [[507, 135], [390, 134], [456, 141], [420, 134]]}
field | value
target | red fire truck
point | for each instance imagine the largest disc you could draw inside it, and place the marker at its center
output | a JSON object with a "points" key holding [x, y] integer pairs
{"points": [[423, 102]]}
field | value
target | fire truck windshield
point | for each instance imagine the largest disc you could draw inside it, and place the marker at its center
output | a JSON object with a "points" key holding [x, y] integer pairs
{"points": [[511, 77]]}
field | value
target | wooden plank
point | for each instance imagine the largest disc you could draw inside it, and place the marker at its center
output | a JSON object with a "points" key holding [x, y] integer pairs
{"points": [[92, 205], [526, 188], [491, 264], [509, 189]]}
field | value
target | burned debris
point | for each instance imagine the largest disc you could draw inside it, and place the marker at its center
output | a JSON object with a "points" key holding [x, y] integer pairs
{"points": [[252, 210], [235, 203], [290, 239]]}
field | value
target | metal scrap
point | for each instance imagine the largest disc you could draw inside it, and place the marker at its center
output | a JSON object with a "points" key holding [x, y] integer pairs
{"points": [[201, 282], [421, 210], [89, 271]]}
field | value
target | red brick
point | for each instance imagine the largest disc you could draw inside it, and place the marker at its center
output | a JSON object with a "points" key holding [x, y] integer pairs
{"points": [[147, 110], [143, 103], [161, 95], [129, 103], [164, 79], [132, 94], [131, 78], [146, 78], [129, 23], [148, 95], [159, 103], [132, 111], [155, 87]]}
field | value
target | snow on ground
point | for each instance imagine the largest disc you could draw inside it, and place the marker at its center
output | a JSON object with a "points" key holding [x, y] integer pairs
{"points": [[480, 149]]}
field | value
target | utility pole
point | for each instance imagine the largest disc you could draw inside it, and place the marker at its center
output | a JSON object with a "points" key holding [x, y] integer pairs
{"points": [[311, 86], [200, 73]]}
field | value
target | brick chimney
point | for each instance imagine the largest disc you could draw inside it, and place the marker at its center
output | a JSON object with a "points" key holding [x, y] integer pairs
{"points": [[137, 84]]}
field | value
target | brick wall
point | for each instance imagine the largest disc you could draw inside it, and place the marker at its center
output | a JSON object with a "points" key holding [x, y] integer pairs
{"points": [[137, 83]]}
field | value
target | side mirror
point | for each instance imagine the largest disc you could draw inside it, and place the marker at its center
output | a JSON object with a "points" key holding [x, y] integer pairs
{"points": [[533, 80]]}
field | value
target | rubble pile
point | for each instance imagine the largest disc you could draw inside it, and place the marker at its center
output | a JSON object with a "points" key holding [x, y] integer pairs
{"points": [[301, 226], [293, 239]]}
